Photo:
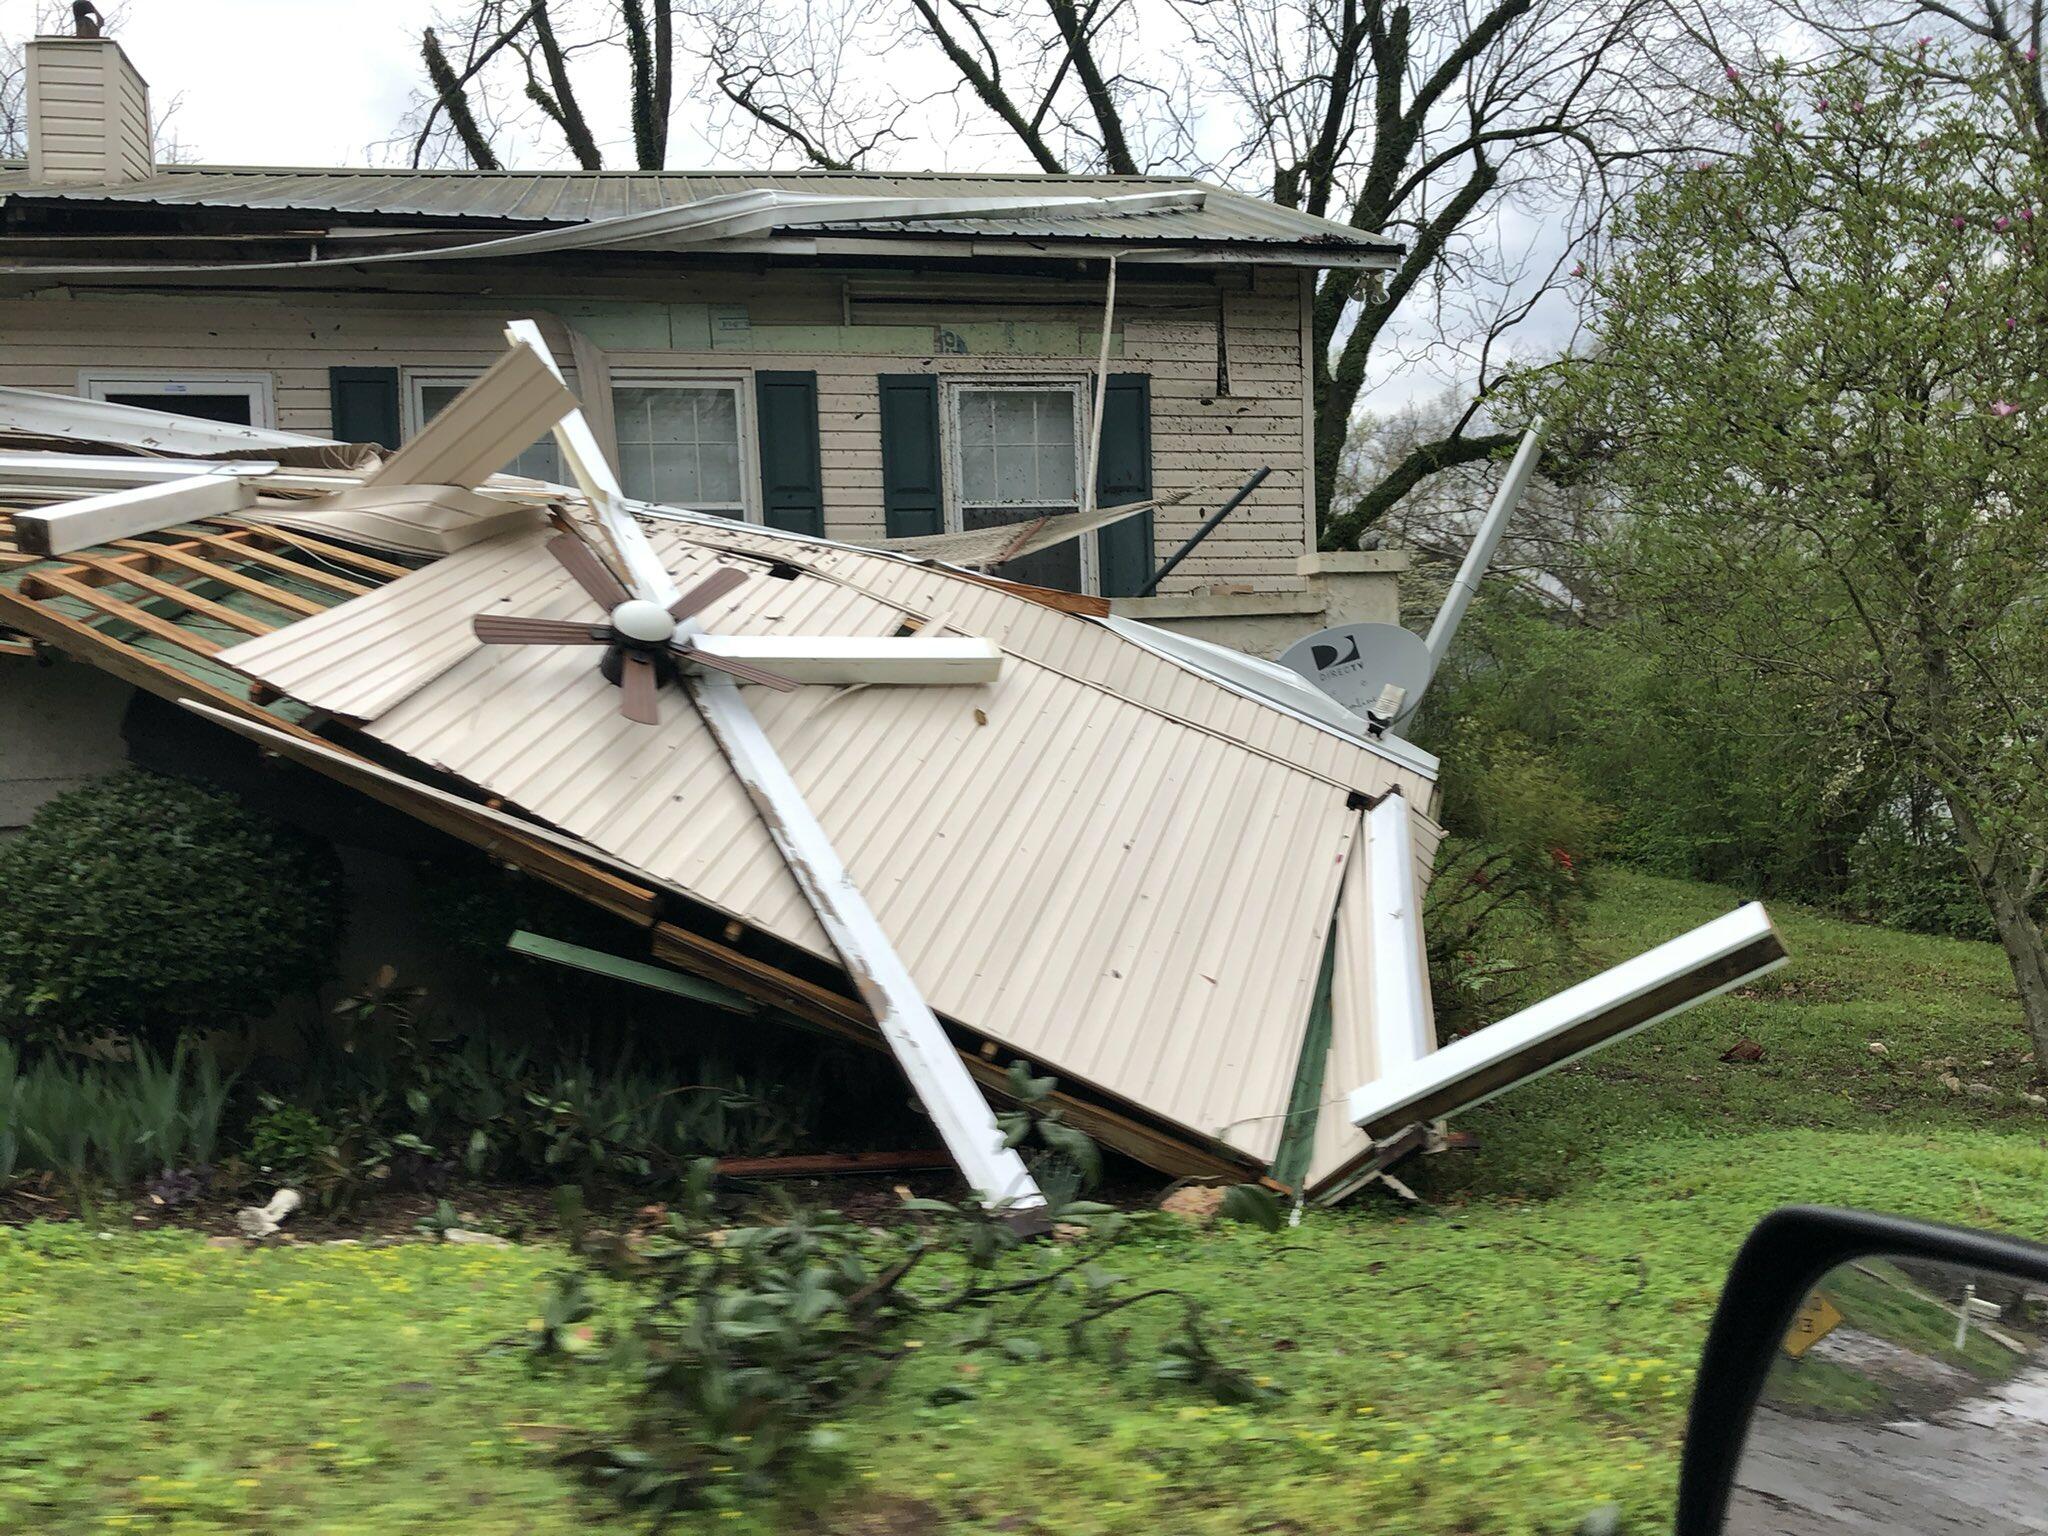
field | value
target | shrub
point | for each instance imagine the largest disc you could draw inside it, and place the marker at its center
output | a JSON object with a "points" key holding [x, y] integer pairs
{"points": [[140, 904]]}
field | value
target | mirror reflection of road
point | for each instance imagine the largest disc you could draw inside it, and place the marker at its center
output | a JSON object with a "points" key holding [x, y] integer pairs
{"points": [[1979, 1466]]}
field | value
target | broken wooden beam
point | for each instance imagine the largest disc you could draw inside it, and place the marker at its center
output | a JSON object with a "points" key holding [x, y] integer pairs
{"points": [[820, 1164]]}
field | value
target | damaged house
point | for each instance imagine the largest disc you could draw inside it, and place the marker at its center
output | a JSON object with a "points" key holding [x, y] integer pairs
{"points": [[765, 560]]}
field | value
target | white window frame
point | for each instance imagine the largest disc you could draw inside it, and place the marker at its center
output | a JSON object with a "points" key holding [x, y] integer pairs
{"points": [[950, 388], [741, 382], [412, 405], [172, 383]]}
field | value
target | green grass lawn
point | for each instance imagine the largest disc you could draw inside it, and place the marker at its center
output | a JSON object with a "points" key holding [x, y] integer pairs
{"points": [[1503, 1361]]}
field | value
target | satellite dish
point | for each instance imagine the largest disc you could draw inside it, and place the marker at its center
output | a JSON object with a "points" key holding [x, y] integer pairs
{"points": [[1353, 664]]}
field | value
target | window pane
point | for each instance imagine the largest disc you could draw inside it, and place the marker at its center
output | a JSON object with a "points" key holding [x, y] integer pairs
{"points": [[719, 472], [1056, 473], [1055, 418], [679, 443], [1016, 418], [1015, 481]]}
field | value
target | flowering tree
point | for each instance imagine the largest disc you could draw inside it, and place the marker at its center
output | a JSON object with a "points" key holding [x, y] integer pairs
{"points": [[1819, 371]]}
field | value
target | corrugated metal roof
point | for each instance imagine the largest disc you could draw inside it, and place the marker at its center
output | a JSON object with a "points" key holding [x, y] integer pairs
{"points": [[571, 197], [1105, 860]]}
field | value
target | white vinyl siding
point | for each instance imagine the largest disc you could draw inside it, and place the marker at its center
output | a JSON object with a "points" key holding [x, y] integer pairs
{"points": [[1203, 442]]}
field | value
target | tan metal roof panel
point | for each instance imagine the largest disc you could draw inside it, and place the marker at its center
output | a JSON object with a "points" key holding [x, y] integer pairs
{"points": [[1114, 865]]}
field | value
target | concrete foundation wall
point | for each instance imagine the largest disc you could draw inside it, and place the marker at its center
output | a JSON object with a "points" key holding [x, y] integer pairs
{"points": [[60, 725]]}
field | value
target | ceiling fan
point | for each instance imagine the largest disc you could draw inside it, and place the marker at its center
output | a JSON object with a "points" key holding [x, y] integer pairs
{"points": [[647, 642]]}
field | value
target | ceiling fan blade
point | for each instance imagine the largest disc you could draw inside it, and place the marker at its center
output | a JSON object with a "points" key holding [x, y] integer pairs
{"points": [[638, 684], [745, 671], [706, 592], [505, 629], [591, 573]]}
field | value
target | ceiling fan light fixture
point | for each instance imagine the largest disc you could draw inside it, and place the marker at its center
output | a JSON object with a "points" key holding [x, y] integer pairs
{"points": [[643, 622]]}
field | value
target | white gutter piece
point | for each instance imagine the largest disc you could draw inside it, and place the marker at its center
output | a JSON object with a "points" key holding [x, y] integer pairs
{"points": [[1714, 958], [729, 216], [122, 514], [921, 1046]]}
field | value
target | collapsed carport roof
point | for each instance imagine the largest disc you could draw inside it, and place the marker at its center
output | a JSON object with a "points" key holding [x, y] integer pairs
{"points": [[1120, 862], [1149, 866]]}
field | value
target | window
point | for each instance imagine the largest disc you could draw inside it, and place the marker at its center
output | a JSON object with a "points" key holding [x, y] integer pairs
{"points": [[685, 441], [1019, 445], [427, 395], [1016, 454], [240, 399]]}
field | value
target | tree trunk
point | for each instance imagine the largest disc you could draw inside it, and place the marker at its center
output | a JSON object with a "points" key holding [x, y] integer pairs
{"points": [[2001, 880]]}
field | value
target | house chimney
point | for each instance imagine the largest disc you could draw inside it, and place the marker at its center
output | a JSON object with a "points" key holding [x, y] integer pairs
{"points": [[88, 109]]}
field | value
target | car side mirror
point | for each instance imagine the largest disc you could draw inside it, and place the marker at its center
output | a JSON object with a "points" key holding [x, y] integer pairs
{"points": [[1872, 1375]]}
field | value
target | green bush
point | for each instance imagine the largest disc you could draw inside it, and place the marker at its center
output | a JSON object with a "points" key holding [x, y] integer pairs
{"points": [[142, 905]]}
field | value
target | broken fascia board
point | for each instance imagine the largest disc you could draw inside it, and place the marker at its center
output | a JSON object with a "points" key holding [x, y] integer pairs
{"points": [[849, 661], [484, 428], [74, 418], [645, 574], [1714, 958], [122, 514], [1402, 1032], [919, 1042]]}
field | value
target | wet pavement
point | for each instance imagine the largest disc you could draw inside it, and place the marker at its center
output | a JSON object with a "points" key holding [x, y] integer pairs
{"points": [[1978, 1466]]}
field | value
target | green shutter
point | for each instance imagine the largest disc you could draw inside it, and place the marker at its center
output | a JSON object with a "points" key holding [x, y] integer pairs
{"points": [[912, 499], [792, 484], [1123, 474], [364, 405]]}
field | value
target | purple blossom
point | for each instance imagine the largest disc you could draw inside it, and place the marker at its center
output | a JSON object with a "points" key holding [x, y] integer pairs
{"points": [[1855, 106], [1823, 103], [2001, 223], [1778, 129], [1733, 73], [2003, 408], [1959, 222], [2011, 324], [2026, 213]]}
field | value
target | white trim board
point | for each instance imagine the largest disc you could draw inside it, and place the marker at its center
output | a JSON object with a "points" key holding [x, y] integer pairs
{"points": [[1401, 1025], [122, 514], [850, 660], [919, 1042], [1713, 958]]}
